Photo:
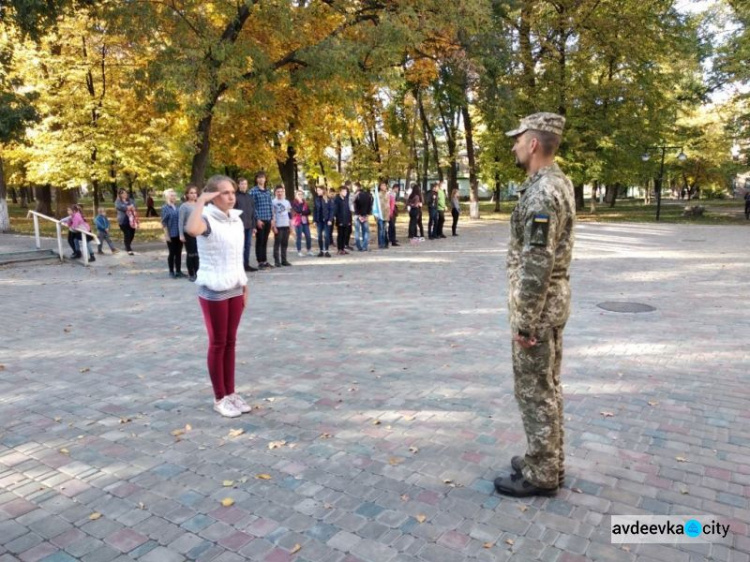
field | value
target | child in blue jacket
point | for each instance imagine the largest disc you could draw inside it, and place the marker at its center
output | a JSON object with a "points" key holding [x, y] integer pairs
{"points": [[102, 226]]}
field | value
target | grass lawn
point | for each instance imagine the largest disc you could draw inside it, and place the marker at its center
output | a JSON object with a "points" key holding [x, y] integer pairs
{"points": [[627, 210]]}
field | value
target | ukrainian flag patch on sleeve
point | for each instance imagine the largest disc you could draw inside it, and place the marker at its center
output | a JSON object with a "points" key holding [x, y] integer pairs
{"points": [[539, 230]]}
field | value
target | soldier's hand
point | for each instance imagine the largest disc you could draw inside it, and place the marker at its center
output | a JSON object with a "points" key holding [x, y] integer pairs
{"points": [[525, 343]]}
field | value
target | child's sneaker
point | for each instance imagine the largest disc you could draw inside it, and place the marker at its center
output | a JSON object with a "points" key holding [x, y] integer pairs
{"points": [[239, 403], [300, 254], [226, 408], [309, 253]]}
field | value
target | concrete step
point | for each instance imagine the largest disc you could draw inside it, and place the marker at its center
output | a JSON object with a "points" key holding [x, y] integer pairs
{"points": [[28, 256]]}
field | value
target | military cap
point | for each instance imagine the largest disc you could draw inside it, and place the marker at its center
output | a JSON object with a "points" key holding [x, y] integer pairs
{"points": [[550, 122]]}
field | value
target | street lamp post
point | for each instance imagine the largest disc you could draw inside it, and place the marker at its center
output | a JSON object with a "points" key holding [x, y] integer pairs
{"points": [[646, 156]]}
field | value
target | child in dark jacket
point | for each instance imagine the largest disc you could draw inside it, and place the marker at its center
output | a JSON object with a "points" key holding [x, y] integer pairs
{"points": [[323, 217], [343, 215]]}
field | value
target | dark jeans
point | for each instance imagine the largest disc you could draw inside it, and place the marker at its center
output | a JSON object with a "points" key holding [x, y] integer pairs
{"points": [[345, 231], [246, 248], [280, 244], [151, 212], [104, 237], [261, 241], [301, 229], [413, 221], [432, 224], [128, 233], [72, 237], [191, 249], [440, 223], [323, 233], [747, 209], [382, 233], [392, 231], [454, 213], [174, 261], [420, 224]]}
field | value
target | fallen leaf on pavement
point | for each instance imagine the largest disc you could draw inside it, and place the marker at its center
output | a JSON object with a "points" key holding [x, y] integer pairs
{"points": [[488, 544], [94, 516], [235, 432], [393, 461], [511, 542], [64, 451], [404, 498], [576, 490], [522, 508], [227, 502], [263, 476], [607, 414], [227, 483], [276, 444], [421, 518], [680, 459], [297, 548], [84, 370], [414, 449]]}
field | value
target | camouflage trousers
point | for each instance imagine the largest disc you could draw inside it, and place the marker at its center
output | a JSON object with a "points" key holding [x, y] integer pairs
{"points": [[536, 373]]}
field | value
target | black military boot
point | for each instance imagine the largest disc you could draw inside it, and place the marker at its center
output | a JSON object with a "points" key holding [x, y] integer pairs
{"points": [[517, 463], [517, 486]]}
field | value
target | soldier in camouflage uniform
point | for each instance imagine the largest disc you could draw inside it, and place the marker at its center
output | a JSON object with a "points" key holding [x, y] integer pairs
{"points": [[539, 255]]}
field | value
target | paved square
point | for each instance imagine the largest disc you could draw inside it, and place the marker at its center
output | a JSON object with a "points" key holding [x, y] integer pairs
{"points": [[384, 406]]}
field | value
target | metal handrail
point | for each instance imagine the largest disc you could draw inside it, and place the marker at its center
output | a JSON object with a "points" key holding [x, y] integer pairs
{"points": [[58, 227]]}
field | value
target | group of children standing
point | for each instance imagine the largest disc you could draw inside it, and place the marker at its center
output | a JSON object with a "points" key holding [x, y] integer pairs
{"points": [[76, 223]]}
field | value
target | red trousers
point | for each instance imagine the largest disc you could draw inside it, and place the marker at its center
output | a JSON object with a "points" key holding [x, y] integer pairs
{"points": [[222, 319]]}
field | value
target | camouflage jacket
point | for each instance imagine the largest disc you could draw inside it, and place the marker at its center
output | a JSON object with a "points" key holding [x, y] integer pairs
{"points": [[539, 253]]}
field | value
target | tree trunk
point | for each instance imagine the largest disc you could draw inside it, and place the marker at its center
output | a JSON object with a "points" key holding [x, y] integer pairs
{"points": [[473, 182], [425, 159], [578, 195], [200, 158], [95, 184], [611, 196], [4, 214], [580, 202], [65, 197], [497, 183], [14, 195], [44, 200], [25, 197], [288, 172], [323, 173], [431, 134]]}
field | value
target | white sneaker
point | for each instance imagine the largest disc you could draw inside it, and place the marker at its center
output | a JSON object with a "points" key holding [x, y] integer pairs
{"points": [[421, 239], [226, 408], [239, 404], [300, 254], [310, 254]]}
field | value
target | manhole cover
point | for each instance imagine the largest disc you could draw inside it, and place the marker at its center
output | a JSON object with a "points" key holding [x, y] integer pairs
{"points": [[626, 307]]}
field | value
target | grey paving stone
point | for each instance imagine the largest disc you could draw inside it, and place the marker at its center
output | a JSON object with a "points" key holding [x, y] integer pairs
{"points": [[349, 489]]}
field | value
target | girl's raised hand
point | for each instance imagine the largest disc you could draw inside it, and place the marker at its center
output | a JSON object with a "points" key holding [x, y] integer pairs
{"points": [[207, 197]]}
